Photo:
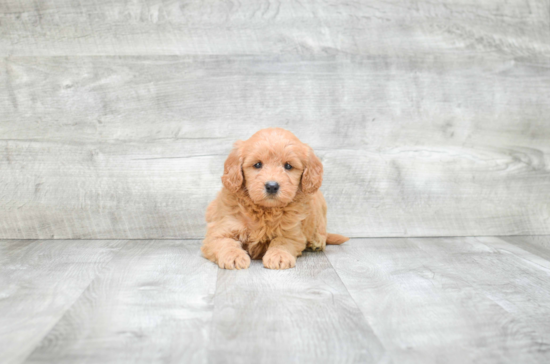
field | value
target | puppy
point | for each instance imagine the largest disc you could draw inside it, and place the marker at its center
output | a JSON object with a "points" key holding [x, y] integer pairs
{"points": [[270, 206]]}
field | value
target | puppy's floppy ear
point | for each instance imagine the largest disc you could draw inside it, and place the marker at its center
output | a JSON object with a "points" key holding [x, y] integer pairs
{"points": [[312, 178], [232, 177]]}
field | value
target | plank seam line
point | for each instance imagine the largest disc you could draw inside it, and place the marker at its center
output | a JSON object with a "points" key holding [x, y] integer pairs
{"points": [[480, 290], [355, 237], [211, 325], [90, 239], [72, 304], [356, 305], [442, 236]]}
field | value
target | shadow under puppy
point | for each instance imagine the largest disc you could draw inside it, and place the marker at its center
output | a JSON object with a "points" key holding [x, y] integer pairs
{"points": [[270, 206]]}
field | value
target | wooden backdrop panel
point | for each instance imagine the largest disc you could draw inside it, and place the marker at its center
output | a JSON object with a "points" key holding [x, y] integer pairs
{"points": [[431, 119], [134, 147], [130, 27]]}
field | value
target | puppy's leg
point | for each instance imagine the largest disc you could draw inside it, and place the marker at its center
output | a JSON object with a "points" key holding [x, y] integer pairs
{"points": [[282, 253], [226, 252], [317, 242], [315, 225]]}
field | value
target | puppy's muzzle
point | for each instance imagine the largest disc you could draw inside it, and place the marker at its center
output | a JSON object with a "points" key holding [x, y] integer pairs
{"points": [[271, 187]]}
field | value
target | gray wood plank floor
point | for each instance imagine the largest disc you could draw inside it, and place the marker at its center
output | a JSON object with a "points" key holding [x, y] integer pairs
{"points": [[401, 300]]}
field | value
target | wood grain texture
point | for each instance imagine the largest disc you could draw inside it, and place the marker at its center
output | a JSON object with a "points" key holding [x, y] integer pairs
{"points": [[400, 300], [153, 305], [451, 300], [301, 315], [122, 27], [413, 145], [537, 245], [39, 281]]}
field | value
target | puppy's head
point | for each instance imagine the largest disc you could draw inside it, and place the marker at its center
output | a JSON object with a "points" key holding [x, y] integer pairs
{"points": [[272, 166]]}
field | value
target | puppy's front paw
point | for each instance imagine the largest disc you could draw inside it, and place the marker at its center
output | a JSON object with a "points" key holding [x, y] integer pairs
{"points": [[278, 259], [233, 258]]}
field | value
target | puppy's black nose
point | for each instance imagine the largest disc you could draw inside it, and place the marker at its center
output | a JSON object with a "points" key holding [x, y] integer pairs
{"points": [[271, 187]]}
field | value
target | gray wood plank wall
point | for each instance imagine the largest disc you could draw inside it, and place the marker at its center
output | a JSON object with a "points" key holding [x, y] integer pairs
{"points": [[431, 118]]}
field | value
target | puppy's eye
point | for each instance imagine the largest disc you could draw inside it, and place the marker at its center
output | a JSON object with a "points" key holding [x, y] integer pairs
{"points": [[258, 165], [288, 166]]}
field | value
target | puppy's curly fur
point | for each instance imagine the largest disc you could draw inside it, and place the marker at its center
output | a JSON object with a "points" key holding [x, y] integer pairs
{"points": [[245, 221]]}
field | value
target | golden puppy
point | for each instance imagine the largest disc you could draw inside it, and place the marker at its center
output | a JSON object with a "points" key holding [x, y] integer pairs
{"points": [[270, 205]]}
